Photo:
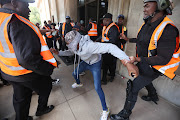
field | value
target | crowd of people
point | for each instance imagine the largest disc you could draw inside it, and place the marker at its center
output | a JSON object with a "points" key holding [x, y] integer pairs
{"points": [[27, 58]]}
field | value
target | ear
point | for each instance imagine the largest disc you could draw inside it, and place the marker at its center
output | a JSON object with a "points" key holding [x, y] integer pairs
{"points": [[14, 3]]}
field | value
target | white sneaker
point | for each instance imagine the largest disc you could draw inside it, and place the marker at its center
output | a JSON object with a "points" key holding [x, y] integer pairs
{"points": [[75, 85], [55, 81], [83, 73], [104, 115]]}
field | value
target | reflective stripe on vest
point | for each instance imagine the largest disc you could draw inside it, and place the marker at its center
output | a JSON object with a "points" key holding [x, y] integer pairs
{"points": [[105, 32], [72, 24], [8, 60], [48, 34], [173, 64], [93, 30]]}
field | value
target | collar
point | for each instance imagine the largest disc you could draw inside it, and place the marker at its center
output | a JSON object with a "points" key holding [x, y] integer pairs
{"points": [[6, 10]]}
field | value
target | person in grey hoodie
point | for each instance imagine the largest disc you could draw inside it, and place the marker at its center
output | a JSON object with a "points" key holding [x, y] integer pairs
{"points": [[90, 54]]}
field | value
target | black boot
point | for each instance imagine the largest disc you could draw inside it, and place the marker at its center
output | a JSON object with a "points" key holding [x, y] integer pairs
{"points": [[46, 110], [152, 95], [129, 105], [111, 79], [153, 98], [30, 118], [122, 115]]}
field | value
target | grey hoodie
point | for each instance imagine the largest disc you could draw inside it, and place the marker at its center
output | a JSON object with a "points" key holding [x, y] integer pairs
{"points": [[90, 51]]}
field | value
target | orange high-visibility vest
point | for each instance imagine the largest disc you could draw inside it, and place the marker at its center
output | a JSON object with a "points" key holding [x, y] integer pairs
{"points": [[48, 34], [8, 61], [173, 64], [72, 24], [123, 30], [63, 28], [105, 32], [93, 30]]}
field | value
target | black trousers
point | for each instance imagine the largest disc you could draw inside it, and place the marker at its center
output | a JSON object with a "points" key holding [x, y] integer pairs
{"points": [[93, 38], [108, 63], [23, 93], [49, 42], [145, 78]]}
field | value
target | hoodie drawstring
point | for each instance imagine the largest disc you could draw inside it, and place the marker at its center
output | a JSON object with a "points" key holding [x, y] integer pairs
{"points": [[77, 66]]}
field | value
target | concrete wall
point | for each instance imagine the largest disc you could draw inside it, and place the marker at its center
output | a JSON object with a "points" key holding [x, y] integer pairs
{"points": [[168, 89], [43, 6], [57, 8]]}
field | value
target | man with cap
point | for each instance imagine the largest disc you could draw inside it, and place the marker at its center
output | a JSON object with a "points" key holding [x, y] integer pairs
{"points": [[158, 52], [63, 30], [122, 29], [110, 34], [25, 59], [48, 35], [92, 29], [90, 54]]}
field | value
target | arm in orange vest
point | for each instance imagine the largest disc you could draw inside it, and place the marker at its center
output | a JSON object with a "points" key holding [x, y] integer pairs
{"points": [[27, 48]]}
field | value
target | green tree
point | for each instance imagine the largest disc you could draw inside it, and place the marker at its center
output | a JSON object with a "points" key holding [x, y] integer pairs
{"points": [[34, 15]]}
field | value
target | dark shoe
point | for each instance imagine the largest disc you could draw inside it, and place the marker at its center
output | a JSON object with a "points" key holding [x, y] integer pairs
{"points": [[30, 118], [111, 79], [117, 117], [46, 110], [122, 115], [153, 98], [103, 82]]}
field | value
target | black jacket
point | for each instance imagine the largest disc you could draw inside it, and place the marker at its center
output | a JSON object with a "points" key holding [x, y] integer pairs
{"points": [[27, 48], [68, 28], [166, 44]]}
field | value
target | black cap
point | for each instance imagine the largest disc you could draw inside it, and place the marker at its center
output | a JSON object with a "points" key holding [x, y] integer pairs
{"points": [[68, 17], [107, 15], [121, 16]]}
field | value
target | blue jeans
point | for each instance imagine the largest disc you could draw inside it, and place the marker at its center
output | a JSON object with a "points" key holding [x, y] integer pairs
{"points": [[96, 71]]}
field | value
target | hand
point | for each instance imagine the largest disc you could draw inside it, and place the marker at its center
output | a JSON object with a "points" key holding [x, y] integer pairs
{"points": [[122, 36], [54, 51], [52, 30], [132, 70], [132, 59]]}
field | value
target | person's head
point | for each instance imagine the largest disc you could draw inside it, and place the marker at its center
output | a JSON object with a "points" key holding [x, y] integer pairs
{"points": [[78, 24], [120, 19], [72, 40], [19, 6], [81, 22], [154, 7], [90, 20], [45, 23], [49, 22], [37, 24], [107, 18], [53, 25], [68, 19]]}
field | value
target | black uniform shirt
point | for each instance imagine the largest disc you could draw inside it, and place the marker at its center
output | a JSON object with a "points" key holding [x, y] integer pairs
{"points": [[166, 44]]}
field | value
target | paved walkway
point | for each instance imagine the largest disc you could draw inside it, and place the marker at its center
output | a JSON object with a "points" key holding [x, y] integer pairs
{"points": [[84, 104]]}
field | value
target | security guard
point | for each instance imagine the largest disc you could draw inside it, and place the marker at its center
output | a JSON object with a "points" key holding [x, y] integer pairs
{"points": [[25, 59], [123, 30], [63, 30], [92, 30], [110, 34], [48, 35], [157, 53]]}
